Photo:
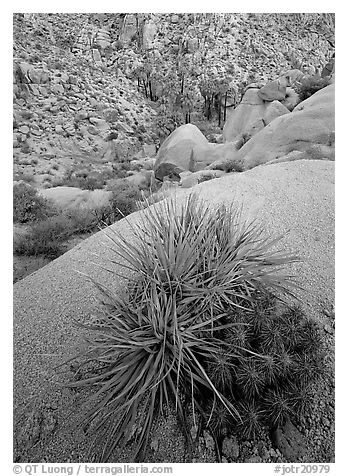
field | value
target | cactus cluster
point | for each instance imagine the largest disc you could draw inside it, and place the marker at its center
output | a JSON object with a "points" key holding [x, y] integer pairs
{"points": [[266, 369]]}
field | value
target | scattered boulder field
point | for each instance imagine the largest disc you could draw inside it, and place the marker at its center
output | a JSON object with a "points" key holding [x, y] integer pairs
{"points": [[257, 133]]}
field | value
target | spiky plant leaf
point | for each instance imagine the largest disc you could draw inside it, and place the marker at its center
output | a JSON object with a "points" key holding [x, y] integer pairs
{"points": [[308, 366], [278, 406], [251, 419], [218, 419], [269, 367], [219, 369], [250, 377], [302, 396]]}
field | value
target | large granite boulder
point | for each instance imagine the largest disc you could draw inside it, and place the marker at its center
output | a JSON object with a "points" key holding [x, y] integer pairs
{"points": [[174, 155], [249, 112], [295, 199], [312, 123], [274, 110], [293, 76], [329, 68], [274, 90], [205, 155], [251, 116], [291, 99]]}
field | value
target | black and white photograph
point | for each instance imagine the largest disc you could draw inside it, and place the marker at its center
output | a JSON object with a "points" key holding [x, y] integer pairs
{"points": [[173, 241]]}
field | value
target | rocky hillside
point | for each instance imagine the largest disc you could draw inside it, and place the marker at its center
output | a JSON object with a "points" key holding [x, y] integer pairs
{"points": [[95, 88]]}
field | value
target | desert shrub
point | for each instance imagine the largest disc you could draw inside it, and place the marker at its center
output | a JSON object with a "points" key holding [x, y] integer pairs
{"points": [[45, 238], [83, 182], [165, 338], [120, 169], [24, 177], [310, 85], [89, 220], [90, 183], [28, 205], [206, 177], [124, 198], [124, 201], [229, 166]]}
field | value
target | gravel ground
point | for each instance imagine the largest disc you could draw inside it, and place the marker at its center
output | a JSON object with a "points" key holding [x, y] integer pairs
{"points": [[294, 198]]}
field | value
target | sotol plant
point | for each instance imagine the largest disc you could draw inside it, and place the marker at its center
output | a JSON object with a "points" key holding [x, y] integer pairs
{"points": [[157, 342]]}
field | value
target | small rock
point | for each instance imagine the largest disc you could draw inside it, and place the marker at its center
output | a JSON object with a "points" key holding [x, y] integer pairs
{"points": [[326, 422], [208, 440], [73, 80], [194, 432], [230, 447], [43, 90], [328, 329], [253, 459], [96, 55], [34, 129], [272, 453], [274, 90], [74, 88], [92, 130], [263, 452], [154, 444], [57, 89], [49, 424], [70, 129], [100, 124], [64, 77], [289, 441], [123, 127], [24, 129], [81, 115], [59, 129]]}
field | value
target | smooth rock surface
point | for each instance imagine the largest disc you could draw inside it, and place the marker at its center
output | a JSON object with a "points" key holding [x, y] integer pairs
{"points": [[251, 109]]}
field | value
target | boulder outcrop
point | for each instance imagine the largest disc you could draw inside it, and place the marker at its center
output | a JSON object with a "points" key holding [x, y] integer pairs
{"points": [[274, 110], [260, 106], [274, 90], [174, 155], [249, 112], [312, 123]]}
